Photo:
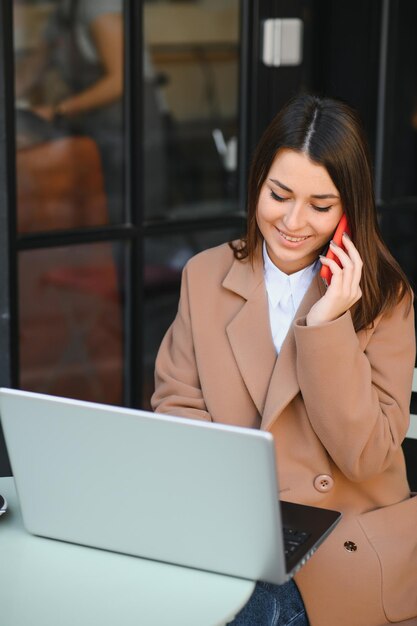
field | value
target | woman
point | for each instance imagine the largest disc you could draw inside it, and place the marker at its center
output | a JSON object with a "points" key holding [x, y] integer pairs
{"points": [[259, 341]]}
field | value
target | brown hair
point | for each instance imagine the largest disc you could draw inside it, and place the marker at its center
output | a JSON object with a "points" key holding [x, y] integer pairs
{"points": [[330, 134]]}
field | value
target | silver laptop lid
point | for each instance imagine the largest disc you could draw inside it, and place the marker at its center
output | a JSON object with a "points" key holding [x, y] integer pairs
{"points": [[171, 489]]}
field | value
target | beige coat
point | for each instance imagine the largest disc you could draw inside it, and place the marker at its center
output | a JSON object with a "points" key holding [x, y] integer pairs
{"points": [[337, 403]]}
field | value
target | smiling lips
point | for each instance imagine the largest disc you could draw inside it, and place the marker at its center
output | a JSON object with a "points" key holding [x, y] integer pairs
{"points": [[292, 239]]}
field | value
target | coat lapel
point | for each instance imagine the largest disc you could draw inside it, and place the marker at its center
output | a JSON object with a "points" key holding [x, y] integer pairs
{"points": [[249, 331], [272, 382], [284, 386]]}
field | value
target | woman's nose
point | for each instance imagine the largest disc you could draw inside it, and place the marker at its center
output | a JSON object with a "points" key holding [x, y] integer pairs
{"points": [[293, 218]]}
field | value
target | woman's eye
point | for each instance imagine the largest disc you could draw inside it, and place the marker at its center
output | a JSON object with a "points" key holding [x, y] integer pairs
{"points": [[322, 209], [277, 197]]}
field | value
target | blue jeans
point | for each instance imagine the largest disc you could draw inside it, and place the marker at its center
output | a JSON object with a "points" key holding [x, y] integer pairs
{"points": [[273, 605]]}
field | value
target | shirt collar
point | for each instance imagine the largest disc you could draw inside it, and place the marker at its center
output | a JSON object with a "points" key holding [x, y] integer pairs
{"points": [[278, 283]]}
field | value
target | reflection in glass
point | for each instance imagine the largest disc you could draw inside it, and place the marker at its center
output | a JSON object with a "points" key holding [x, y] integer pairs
{"points": [[398, 215], [69, 113], [165, 257], [401, 170], [191, 108], [70, 315]]}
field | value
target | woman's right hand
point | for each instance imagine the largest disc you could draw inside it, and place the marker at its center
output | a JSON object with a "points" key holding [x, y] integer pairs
{"points": [[344, 289]]}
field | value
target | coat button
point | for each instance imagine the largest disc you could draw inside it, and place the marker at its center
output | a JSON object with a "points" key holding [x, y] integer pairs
{"points": [[350, 546], [323, 482]]}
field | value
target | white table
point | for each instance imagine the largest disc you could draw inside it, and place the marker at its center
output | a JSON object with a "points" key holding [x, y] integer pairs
{"points": [[51, 583]]}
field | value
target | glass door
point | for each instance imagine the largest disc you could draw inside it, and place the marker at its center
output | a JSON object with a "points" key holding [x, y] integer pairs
{"points": [[191, 135], [70, 172], [127, 132], [128, 125]]}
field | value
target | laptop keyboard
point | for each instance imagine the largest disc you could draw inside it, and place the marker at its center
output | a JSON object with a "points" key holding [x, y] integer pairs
{"points": [[294, 539]]}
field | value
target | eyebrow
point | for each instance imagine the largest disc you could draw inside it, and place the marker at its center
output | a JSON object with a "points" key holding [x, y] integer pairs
{"points": [[320, 196]]}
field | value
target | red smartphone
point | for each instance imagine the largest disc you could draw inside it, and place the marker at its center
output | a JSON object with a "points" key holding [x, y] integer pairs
{"points": [[342, 227]]}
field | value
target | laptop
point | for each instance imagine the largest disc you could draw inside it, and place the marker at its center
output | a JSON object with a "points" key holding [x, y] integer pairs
{"points": [[176, 490]]}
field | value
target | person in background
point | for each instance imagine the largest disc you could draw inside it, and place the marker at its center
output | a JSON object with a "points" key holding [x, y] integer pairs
{"points": [[83, 43], [260, 341]]}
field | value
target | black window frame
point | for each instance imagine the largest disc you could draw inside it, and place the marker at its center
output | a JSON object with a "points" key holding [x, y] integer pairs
{"points": [[134, 230], [8, 296]]}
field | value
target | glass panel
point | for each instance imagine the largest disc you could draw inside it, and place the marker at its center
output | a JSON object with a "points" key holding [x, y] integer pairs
{"points": [[398, 226], [191, 108], [70, 314], [165, 256], [401, 161], [69, 113]]}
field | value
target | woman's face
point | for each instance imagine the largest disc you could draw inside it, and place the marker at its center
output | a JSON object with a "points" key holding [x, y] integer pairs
{"points": [[298, 210]]}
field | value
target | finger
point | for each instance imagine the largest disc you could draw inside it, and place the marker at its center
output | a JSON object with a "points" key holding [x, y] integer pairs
{"points": [[354, 255], [347, 284], [344, 258], [351, 272], [334, 267], [342, 281]]}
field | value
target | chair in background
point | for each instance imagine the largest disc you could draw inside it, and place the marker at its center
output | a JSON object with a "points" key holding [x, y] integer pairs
{"points": [[410, 444], [70, 309], [412, 431], [60, 186]]}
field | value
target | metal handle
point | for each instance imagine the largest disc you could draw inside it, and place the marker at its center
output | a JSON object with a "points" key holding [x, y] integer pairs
{"points": [[282, 42]]}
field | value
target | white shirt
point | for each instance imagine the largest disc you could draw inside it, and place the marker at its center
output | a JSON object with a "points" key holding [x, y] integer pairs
{"points": [[285, 293]]}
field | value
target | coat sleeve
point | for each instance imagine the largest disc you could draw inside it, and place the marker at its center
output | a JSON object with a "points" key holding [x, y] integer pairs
{"points": [[177, 384], [358, 402]]}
